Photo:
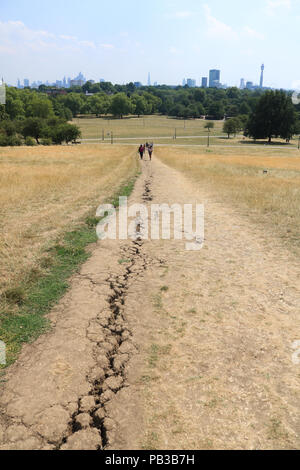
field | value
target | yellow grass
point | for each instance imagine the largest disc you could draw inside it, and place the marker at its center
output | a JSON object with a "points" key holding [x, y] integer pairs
{"points": [[47, 190], [161, 129], [237, 177], [148, 126]]}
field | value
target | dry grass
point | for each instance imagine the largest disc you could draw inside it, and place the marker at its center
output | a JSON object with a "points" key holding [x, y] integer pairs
{"points": [[237, 176], [135, 130], [151, 126], [46, 191]]}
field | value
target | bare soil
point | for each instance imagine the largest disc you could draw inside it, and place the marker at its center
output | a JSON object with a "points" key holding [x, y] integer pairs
{"points": [[156, 347]]}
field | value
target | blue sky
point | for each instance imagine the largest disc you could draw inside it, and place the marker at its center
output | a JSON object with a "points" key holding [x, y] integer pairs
{"points": [[122, 40]]}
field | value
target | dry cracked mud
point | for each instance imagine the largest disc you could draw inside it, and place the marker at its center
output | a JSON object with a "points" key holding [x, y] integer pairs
{"points": [[159, 348]]}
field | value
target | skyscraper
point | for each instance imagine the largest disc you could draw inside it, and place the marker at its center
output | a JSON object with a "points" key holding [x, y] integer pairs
{"points": [[191, 83], [204, 82], [214, 78], [242, 85], [261, 83], [149, 79], [26, 82]]}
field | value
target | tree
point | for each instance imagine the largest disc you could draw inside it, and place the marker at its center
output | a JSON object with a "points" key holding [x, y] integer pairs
{"points": [[74, 102], [216, 110], [39, 106], [209, 125], [65, 133], [121, 105], [141, 105], [232, 126], [33, 127], [274, 116]]}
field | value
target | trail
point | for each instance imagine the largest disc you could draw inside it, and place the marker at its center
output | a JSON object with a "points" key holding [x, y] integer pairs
{"points": [[160, 348]]}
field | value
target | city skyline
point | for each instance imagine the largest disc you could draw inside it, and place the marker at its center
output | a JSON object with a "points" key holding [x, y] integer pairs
{"points": [[126, 41], [213, 80]]}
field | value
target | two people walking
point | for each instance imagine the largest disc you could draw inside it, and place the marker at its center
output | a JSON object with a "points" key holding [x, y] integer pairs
{"points": [[143, 147]]}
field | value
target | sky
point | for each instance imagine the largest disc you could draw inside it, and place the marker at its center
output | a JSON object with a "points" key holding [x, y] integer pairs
{"points": [[121, 41]]}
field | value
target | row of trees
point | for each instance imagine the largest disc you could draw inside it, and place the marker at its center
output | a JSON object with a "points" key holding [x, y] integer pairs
{"points": [[46, 115], [36, 130], [120, 100], [274, 116]]}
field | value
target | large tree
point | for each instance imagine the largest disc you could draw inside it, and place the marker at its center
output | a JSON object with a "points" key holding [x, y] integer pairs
{"points": [[121, 105], [274, 116]]}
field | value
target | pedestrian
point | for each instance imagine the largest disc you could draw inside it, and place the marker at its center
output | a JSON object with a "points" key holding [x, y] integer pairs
{"points": [[141, 151], [150, 150]]}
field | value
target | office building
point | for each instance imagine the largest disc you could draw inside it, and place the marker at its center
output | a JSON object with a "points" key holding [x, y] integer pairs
{"points": [[191, 83], [204, 82], [214, 78]]}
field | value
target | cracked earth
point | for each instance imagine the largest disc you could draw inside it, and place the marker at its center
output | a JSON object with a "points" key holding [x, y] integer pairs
{"points": [[157, 347]]}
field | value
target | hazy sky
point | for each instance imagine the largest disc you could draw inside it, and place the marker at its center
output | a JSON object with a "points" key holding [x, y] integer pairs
{"points": [[121, 40]]}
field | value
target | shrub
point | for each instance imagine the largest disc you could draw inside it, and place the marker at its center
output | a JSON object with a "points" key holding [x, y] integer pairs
{"points": [[14, 141], [30, 141], [46, 141], [3, 140]]}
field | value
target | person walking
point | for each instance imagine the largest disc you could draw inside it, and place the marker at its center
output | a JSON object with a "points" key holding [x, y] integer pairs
{"points": [[141, 151], [150, 150]]}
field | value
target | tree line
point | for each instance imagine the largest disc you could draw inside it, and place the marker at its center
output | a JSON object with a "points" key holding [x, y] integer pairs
{"points": [[44, 114]]}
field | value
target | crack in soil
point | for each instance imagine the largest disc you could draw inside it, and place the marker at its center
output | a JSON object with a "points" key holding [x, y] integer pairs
{"points": [[113, 349]]}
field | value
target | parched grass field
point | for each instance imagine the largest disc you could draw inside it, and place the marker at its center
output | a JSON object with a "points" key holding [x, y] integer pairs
{"points": [[161, 129], [264, 185], [145, 126], [46, 192]]}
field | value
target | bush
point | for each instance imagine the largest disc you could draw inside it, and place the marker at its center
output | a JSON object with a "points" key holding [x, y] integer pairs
{"points": [[30, 141], [3, 140], [46, 141], [14, 141]]}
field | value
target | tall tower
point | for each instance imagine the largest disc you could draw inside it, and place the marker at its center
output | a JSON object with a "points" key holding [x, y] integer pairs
{"points": [[149, 79], [261, 84]]}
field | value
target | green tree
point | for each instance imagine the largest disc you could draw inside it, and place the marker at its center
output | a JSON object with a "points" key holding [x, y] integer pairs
{"points": [[232, 126], [121, 105], [39, 106], [141, 105], [74, 102], [216, 110], [209, 125], [33, 127], [274, 116]]}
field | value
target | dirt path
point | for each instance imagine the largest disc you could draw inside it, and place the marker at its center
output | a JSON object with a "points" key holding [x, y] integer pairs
{"points": [[157, 347]]}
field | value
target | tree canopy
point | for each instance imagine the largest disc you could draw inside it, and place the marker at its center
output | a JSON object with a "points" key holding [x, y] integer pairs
{"points": [[274, 116]]}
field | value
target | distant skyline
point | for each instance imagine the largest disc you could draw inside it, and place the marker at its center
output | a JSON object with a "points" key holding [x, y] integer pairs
{"points": [[124, 41]]}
